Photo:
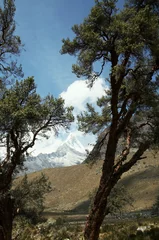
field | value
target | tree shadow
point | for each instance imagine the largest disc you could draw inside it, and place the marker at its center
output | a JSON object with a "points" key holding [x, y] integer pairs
{"points": [[82, 208]]}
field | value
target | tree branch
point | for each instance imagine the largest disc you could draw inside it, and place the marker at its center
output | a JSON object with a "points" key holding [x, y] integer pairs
{"points": [[136, 157], [125, 152]]}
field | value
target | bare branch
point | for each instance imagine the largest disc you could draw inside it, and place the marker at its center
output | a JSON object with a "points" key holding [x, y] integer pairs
{"points": [[123, 156], [136, 157]]}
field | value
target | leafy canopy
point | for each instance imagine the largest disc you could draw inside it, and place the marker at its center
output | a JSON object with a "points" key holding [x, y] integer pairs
{"points": [[128, 41], [24, 115], [10, 44], [118, 199]]}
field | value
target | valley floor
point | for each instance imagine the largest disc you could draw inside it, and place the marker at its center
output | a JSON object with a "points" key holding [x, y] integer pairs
{"points": [[59, 228]]}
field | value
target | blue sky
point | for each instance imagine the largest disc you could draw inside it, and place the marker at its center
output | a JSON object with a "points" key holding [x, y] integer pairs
{"points": [[42, 24]]}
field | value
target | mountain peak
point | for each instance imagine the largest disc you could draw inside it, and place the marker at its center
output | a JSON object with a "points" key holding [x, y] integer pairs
{"points": [[74, 143], [71, 136], [71, 152]]}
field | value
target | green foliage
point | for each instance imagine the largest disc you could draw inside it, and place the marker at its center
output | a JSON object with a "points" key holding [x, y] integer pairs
{"points": [[117, 200], [24, 116], [60, 221], [23, 230], [10, 43], [142, 3], [124, 230], [105, 29], [25, 111], [155, 207], [128, 42], [93, 121], [29, 197]]}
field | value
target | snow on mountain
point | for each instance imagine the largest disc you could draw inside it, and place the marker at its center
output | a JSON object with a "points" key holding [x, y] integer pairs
{"points": [[70, 152], [74, 143]]}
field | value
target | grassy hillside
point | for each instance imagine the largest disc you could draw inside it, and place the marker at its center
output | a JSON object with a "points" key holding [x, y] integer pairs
{"points": [[72, 185]]}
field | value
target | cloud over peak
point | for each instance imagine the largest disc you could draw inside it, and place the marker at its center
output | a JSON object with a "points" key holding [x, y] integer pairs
{"points": [[78, 94]]}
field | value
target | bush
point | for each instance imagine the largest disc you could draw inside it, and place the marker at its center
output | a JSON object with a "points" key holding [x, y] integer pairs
{"points": [[29, 197], [117, 200]]}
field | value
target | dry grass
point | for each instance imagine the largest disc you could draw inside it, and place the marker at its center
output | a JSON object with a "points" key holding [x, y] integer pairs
{"points": [[72, 185]]}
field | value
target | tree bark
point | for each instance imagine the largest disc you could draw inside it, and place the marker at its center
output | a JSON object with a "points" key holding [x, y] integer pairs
{"points": [[97, 214], [6, 217], [107, 182], [98, 210]]}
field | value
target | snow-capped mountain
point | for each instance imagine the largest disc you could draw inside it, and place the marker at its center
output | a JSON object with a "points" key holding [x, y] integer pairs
{"points": [[70, 152], [74, 143]]}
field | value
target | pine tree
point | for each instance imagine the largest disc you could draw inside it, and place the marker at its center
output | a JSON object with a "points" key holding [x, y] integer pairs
{"points": [[24, 115], [10, 44], [127, 41]]}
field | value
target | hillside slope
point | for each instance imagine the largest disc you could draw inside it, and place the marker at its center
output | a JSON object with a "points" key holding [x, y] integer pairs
{"points": [[72, 185]]}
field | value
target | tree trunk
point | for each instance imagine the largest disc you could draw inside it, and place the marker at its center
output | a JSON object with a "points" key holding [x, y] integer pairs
{"points": [[107, 182], [97, 214], [6, 217]]}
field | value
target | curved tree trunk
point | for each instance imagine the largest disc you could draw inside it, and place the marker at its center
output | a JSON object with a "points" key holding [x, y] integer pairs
{"points": [[108, 180], [97, 214], [6, 217]]}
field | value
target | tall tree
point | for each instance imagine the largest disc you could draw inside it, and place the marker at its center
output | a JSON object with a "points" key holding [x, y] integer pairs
{"points": [[24, 115], [127, 40], [10, 48]]}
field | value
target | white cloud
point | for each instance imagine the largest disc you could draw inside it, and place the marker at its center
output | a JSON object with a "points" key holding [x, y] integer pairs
{"points": [[76, 95], [43, 145]]}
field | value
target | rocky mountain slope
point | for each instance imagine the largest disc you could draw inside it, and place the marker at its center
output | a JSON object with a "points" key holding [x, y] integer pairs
{"points": [[71, 152]]}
